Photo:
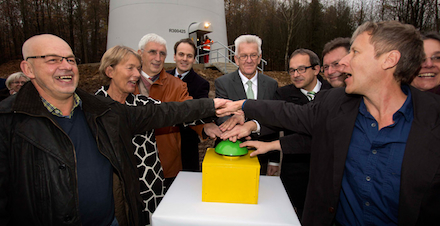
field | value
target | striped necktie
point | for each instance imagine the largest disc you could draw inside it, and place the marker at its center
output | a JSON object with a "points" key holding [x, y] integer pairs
{"points": [[311, 95]]}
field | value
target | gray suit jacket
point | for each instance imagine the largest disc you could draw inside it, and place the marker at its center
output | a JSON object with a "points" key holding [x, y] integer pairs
{"points": [[230, 87]]}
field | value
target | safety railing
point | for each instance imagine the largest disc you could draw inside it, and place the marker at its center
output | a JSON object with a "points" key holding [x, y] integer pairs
{"points": [[223, 54]]}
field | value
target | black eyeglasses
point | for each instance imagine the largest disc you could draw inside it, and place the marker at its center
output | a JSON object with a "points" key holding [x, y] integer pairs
{"points": [[300, 69], [55, 59]]}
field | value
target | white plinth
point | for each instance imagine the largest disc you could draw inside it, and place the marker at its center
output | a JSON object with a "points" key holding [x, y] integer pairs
{"points": [[183, 206]]}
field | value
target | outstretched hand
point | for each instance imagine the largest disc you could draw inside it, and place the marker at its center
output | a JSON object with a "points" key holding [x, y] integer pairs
{"points": [[212, 130], [220, 103], [239, 131], [228, 108], [233, 121], [262, 147]]}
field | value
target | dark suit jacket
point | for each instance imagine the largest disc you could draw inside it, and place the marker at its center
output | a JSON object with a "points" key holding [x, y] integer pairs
{"points": [[294, 95], [330, 121], [230, 87], [198, 88], [295, 167]]}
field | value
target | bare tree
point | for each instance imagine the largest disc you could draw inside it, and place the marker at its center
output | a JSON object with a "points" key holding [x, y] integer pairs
{"points": [[290, 12]]}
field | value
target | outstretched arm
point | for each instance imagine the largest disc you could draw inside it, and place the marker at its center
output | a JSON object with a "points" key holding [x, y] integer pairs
{"points": [[229, 108], [237, 119]]}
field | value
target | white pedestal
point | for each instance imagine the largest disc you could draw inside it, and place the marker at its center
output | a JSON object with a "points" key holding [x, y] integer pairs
{"points": [[183, 206]]}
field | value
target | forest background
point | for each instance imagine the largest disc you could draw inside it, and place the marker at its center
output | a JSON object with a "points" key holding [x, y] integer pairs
{"points": [[284, 25]]}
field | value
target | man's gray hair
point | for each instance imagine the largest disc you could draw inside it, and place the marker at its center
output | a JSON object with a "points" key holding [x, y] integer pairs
{"points": [[248, 39], [152, 37]]}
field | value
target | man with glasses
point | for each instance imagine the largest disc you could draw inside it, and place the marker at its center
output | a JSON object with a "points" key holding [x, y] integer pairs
{"points": [[66, 155], [304, 70], [156, 83], [428, 79], [247, 82], [333, 52]]}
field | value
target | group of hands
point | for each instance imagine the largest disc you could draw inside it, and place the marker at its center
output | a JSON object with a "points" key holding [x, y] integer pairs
{"points": [[236, 128]]}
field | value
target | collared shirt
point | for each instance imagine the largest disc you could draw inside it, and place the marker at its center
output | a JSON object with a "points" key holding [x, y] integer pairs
{"points": [[176, 74], [57, 112], [371, 181], [152, 78], [254, 81], [316, 89]]}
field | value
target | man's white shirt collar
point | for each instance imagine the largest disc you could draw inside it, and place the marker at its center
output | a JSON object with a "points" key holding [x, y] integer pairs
{"points": [[183, 75], [145, 75], [316, 89], [254, 81]]}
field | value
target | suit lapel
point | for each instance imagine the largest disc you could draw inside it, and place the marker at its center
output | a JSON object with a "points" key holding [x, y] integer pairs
{"points": [[237, 86], [261, 87], [341, 128], [189, 77], [296, 96]]}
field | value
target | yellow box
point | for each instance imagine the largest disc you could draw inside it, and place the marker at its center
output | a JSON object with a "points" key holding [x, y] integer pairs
{"points": [[230, 179]]}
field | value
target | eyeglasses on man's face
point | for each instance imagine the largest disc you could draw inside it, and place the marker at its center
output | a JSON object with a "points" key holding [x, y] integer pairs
{"points": [[244, 57], [153, 52], [300, 69], [55, 59], [335, 66]]}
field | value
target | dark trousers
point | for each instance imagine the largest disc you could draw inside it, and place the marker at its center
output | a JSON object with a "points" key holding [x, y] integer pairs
{"points": [[295, 177]]}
